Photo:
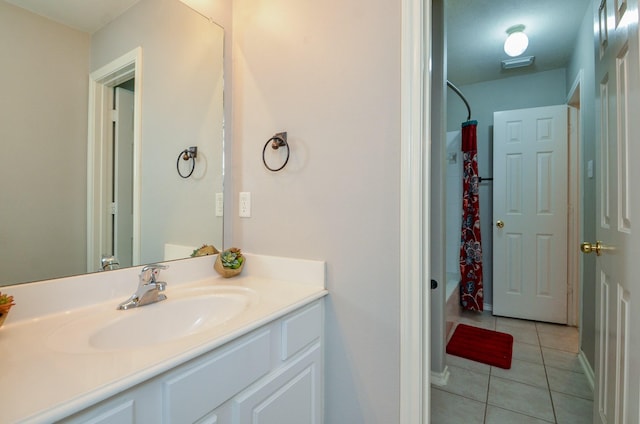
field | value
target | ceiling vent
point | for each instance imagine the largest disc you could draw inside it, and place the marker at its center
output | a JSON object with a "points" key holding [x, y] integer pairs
{"points": [[519, 62]]}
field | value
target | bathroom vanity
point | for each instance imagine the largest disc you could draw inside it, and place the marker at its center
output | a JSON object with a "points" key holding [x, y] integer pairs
{"points": [[241, 350]]}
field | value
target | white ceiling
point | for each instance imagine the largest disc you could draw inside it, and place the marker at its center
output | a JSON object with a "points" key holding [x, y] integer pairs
{"points": [[476, 30]]}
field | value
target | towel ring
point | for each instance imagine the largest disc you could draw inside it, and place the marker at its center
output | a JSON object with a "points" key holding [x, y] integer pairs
{"points": [[277, 141], [186, 154]]}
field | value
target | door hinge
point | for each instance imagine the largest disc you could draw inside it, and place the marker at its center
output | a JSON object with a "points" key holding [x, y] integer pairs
{"points": [[112, 208]]}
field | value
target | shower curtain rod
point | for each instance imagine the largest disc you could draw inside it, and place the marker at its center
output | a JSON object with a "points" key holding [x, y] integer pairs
{"points": [[459, 93]]}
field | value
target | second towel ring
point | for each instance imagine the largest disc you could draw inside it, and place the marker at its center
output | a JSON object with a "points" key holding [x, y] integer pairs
{"points": [[277, 141]]}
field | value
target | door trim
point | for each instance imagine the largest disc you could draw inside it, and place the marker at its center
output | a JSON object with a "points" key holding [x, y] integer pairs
{"points": [[414, 212], [575, 215], [101, 82]]}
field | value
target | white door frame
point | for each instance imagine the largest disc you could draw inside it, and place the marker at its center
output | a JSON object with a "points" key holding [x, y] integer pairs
{"points": [[101, 82], [575, 214], [414, 212]]}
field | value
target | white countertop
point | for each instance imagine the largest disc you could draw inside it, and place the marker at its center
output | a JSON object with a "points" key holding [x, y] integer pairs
{"points": [[42, 384]]}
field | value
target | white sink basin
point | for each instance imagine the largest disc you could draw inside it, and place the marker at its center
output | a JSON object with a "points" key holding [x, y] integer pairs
{"points": [[184, 313]]}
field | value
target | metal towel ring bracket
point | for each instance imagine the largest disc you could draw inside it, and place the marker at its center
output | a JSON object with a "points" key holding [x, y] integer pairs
{"points": [[277, 141]]}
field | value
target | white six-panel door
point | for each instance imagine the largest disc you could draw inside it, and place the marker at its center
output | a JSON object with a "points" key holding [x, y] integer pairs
{"points": [[530, 196], [617, 362]]}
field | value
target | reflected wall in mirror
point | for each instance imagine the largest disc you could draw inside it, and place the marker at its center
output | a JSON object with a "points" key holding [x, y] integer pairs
{"points": [[44, 125]]}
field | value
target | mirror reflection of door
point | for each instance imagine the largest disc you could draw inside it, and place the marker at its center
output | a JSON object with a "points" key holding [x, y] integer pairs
{"points": [[119, 236]]}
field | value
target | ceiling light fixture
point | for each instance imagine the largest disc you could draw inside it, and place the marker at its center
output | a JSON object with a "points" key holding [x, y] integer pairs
{"points": [[516, 42], [518, 62]]}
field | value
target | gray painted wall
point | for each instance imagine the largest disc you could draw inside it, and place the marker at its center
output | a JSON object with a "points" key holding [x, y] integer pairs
{"points": [[43, 135], [329, 74], [584, 59], [533, 90]]}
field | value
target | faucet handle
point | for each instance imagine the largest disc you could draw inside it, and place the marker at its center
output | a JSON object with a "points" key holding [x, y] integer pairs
{"points": [[150, 272]]}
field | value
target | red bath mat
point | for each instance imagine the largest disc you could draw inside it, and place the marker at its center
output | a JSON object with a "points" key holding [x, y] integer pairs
{"points": [[481, 345]]}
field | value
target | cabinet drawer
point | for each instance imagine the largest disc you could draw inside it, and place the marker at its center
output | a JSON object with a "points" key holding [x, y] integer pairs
{"points": [[194, 392], [301, 329], [136, 405], [120, 412]]}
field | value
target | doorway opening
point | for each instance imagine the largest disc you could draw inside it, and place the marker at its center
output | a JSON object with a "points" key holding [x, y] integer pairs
{"points": [[574, 172], [557, 79], [113, 173]]}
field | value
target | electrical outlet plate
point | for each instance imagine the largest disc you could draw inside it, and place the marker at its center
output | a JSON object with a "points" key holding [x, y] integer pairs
{"points": [[245, 204]]}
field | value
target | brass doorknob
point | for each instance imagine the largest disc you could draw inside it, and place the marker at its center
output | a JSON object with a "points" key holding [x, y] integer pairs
{"points": [[499, 224], [587, 247]]}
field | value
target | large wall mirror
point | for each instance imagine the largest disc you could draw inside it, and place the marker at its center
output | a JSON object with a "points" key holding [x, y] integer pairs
{"points": [[79, 181]]}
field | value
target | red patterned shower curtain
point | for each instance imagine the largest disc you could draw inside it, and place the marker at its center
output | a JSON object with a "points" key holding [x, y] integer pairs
{"points": [[471, 291]]}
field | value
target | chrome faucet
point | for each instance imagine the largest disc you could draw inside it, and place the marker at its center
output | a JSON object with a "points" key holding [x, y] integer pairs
{"points": [[149, 289], [108, 263]]}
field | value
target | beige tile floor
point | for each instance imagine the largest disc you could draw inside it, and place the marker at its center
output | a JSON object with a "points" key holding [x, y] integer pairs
{"points": [[545, 384]]}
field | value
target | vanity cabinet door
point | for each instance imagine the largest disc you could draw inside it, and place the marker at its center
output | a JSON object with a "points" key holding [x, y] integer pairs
{"points": [[290, 395]]}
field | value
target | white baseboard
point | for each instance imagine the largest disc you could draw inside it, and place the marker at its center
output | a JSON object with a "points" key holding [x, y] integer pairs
{"points": [[440, 378], [588, 371]]}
